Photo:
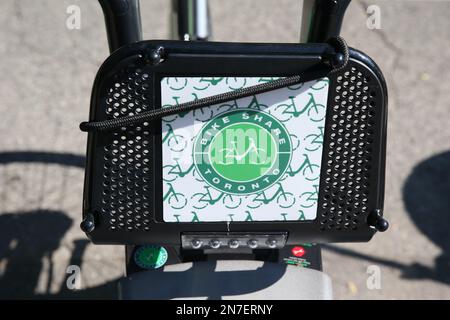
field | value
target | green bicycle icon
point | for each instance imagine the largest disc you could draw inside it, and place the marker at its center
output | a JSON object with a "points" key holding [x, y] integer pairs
{"points": [[309, 170], [295, 87], [202, 114], [234, 83], [176, 84], [295, 141], [283, 199], [194, 217], [311, 197], [202, 200], [320, 84], [233, 154], [175, 199], [176, 142], [206, 82], [315, 111], [254, 104], [227, 107], [314, 141], [172, 172]]}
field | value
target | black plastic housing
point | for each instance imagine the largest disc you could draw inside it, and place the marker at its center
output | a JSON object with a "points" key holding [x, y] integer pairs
{"points": [[346, 197]]}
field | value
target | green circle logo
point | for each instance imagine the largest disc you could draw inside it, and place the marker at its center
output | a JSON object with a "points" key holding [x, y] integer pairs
{"points": [[242, 151], [150, 257]]}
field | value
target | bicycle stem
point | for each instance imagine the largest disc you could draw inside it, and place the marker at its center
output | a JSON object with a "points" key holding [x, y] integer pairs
{"points": [[123, 22], [322, 19]]}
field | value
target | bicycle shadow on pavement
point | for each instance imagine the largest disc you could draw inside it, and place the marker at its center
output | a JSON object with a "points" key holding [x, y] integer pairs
{"points": [[199, 281], [27, 242], [29, 239], [426, 194]]}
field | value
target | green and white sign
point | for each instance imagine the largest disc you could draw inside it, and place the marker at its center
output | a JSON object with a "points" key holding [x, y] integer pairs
{"points": [[242, 151], [150, 257], [253, 159]]}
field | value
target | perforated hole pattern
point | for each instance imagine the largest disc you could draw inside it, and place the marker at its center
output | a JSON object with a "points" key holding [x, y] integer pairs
{"points": [[346, 172], [126, 159], [348, 162]]}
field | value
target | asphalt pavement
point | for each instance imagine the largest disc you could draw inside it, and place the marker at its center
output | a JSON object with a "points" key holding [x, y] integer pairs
{"points": [[46, 74]]}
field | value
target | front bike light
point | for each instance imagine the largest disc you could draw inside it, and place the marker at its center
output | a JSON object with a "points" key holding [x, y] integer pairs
{"points": [[233, 240]]}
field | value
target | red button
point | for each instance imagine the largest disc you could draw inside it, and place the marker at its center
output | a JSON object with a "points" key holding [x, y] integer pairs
{"points": [[298, 251]]}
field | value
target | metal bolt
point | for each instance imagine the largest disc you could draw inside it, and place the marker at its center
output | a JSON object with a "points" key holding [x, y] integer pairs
{"points": [[196, 244], [88, 224], [252, 243], [271, 243], [156, 56], [214, 243], [233, 244]]}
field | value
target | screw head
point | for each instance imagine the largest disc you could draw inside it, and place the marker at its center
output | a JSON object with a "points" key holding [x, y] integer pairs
{"points": [[376, 220], [382, 225], [252, 243], [88, 224], [337, 60], [214, 243], [156, 56], [196, 244], [271, 243], [233, 244]]}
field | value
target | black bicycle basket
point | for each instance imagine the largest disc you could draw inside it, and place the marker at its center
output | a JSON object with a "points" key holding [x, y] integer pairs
{"points": [[190, 140]]}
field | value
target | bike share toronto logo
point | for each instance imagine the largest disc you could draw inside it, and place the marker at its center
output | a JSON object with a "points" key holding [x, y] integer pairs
{"points": [[243, 151]]}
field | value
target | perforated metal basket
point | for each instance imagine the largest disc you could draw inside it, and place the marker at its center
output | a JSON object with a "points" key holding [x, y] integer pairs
{"points": [[123, 188]]}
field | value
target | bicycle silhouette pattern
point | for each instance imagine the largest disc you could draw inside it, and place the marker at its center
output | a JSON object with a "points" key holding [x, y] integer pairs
{"points": [[253, 159]]}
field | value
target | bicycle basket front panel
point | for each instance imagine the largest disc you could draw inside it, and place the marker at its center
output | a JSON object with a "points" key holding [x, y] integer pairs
{"points": [[303, 163], [252, 159]]}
